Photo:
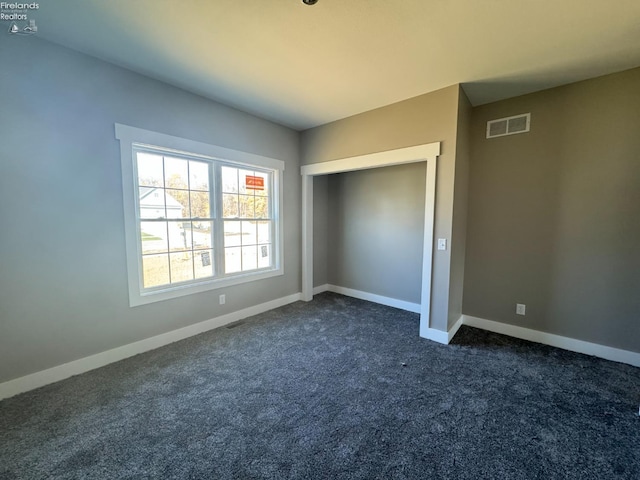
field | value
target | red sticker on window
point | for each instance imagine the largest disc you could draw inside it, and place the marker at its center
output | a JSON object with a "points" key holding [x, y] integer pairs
{"points": [[254, 183]]}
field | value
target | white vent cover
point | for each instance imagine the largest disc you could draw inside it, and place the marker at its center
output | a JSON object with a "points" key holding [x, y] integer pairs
{"points": [[509, 125]]}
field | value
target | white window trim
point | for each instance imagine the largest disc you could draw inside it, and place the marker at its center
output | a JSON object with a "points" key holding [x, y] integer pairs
{"points": [[129, 136]]}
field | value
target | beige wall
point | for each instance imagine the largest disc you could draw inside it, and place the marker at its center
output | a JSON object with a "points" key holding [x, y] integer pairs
{"points": [[424, 119], [460, 200], [320, 231], [554, 213]]}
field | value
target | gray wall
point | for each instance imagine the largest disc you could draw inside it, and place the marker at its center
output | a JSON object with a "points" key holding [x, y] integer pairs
{"points": [[554, 213], [63, 282], [376, 228], [424, 119]]}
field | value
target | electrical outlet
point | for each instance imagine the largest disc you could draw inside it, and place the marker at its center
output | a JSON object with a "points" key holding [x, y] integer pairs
{"points": [[223, 299], [521, 309]]}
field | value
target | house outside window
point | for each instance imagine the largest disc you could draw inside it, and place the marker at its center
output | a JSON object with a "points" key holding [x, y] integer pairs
{"points": [[197, 216]]}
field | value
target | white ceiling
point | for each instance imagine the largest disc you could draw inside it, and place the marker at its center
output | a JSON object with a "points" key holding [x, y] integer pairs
{"points": [[303, 66]]}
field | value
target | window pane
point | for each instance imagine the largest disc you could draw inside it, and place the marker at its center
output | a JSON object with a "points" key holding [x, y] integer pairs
{"points": [[230, 205], [181, 266], [229, 180], [179, 236], [264, 232], [242, 178], [262, 207], [176, 173], [199, 175], [153, 236], [232, 260], [264, 191], [232, 234], [155, 270], [203, 263], [177, 202], [202, 232], [200, 205], [249, 233], [149, 169], [249, 258], [151, 202], [247, 206], [264, 256]]}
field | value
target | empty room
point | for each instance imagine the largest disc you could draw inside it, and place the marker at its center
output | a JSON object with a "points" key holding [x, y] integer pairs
{"points": [[320, 239]]}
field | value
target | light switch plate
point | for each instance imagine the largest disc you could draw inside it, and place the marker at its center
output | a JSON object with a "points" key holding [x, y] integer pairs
{"points": [[442, 244]]}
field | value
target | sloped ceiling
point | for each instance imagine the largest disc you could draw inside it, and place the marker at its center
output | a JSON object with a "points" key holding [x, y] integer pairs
{"points": [[303, 66]]}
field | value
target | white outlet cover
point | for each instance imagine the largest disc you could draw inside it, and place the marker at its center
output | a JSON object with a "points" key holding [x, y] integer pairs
{"points": [[521, 309]]}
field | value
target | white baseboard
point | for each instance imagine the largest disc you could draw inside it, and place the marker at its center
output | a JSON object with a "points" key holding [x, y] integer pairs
{"points": [[76, 367], [435, 335], [371, 297], [601, 351], [440, 336], [321, 289], [60, 372], [430, 333], [566, 343], [453, 330]]}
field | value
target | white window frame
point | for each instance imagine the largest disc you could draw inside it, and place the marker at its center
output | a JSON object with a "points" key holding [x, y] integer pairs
{"points": [[133, 136]]}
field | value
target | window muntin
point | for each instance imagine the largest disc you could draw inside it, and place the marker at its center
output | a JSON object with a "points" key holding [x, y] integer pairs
{"points": [[183, 202]]}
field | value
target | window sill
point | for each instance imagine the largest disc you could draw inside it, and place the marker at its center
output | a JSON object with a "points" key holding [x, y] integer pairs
{"points": [[136, 298]]}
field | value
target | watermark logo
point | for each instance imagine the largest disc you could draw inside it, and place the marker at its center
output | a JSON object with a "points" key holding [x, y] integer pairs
{"points": [[28, 29], [18, 15]]}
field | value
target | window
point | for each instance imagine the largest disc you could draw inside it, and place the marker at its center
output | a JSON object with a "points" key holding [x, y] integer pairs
{"points": [[197, 216]]}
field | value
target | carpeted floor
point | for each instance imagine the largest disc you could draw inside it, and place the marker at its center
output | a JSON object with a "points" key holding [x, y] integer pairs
{"points": [[337, 388]]}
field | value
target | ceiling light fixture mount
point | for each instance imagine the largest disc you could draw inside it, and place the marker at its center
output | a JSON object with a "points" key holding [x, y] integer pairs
{"points": [[309, 2]]}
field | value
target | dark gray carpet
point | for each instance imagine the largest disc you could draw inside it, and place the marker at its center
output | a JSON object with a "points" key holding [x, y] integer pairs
{"points": [[337, 388]]}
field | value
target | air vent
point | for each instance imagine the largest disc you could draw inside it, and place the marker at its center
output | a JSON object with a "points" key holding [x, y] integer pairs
{"points": [[509, 125], [235, 324]]}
